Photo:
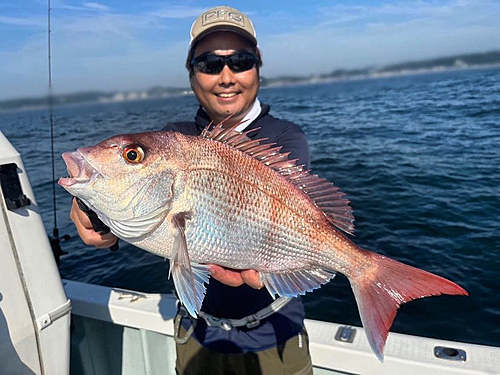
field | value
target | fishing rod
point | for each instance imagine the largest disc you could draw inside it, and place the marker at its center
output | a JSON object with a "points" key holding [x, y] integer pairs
{"points": [[55, 241], [97, 224], [51, 116]]}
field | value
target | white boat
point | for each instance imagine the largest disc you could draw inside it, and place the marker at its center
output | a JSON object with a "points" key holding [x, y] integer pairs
{"points": [[117, 331], [34, 309]]}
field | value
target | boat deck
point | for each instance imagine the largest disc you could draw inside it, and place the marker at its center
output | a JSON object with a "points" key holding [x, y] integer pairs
{"points": [[117, 331]]}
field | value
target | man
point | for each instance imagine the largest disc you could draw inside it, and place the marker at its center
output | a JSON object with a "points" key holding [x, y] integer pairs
{"points": [[241, 330]]}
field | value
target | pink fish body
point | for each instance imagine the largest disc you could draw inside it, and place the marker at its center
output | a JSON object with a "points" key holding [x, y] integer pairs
{"points": [[221, 198]]}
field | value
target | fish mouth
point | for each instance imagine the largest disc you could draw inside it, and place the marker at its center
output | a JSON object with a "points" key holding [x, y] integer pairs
{"points": [[80, 171]]}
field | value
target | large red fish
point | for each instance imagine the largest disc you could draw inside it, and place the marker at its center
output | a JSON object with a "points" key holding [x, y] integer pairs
{"points": [[222, 198]]}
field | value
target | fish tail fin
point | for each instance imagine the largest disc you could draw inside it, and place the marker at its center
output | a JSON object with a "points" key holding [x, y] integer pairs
{"points": [[384, 287]]}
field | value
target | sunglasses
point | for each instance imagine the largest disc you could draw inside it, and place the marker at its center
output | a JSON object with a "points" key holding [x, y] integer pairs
{"points": [[210, 63]]}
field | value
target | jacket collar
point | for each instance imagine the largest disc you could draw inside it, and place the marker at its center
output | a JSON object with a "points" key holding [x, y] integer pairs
{"points": [[202, 120]]}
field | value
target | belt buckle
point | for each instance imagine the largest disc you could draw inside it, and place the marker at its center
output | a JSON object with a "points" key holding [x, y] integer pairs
{"points": [[253, 321], [218, 322]]}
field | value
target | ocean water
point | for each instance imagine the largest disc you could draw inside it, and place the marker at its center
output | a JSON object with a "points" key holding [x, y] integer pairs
{"points": [[418, 156]]}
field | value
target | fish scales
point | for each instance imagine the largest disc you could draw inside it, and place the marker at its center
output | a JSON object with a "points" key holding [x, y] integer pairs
{"points": [[260, 224], [198, 200]]}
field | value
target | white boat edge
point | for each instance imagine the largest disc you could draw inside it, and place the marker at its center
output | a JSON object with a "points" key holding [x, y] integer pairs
{"points": [[403, 354], [120, 331]]}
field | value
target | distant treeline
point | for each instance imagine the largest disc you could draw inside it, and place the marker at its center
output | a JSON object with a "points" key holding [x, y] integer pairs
{"points": [[486, 58], [452, 62], [89, 97], [56, 100]]}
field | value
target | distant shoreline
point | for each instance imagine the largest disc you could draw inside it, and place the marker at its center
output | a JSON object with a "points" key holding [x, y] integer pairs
{"points": [[487, 60], [313, 81], [483, 60]]}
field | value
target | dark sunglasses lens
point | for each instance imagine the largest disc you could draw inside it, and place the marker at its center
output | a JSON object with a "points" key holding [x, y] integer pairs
{"points": [[241, 62], [210, 64], [213, 64]]}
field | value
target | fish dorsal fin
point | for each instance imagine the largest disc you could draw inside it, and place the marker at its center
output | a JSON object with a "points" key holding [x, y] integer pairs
{"points": [[326, 196]]}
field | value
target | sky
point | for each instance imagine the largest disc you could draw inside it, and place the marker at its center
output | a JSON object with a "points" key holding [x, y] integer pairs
{"points": [[113, 45]]}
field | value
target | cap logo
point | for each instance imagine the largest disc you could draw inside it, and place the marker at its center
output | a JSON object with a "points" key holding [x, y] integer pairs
{"points": [[222, 15]]}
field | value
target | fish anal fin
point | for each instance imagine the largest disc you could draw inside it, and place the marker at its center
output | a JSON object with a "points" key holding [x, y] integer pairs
{"points": [[189, 279], [291, 284], [380, 293]]}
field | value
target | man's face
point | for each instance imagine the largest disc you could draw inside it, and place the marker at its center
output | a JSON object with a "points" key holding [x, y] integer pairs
{"points": [[225, 93]]}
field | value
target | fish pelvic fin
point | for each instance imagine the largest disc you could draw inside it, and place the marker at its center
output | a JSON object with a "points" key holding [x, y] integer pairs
{"points": [[291, 284], [189, 278], [387, 285]]}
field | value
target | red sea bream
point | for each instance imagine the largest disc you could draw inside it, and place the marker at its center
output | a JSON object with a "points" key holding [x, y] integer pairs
{"points": [[222, 198]]}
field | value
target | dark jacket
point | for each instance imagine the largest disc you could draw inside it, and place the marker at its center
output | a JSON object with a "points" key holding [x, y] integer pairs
{"points": [[223, 301]]}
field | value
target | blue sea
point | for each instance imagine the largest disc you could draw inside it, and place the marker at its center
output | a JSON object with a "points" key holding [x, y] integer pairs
{"points": [[418, 156]]}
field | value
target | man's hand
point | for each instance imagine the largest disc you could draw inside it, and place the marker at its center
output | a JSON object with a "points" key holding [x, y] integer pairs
{"points": [[85, 230], [236, 277]]}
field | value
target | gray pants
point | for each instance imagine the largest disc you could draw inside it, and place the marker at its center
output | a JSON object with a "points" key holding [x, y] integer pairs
{"points": [[290, 358]]}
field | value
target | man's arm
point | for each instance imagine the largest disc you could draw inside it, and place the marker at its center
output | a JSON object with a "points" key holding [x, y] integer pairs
{"points": [[293, 140]]}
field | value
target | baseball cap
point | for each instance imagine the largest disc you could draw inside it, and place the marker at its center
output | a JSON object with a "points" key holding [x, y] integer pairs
{"points": [[222, 18]]}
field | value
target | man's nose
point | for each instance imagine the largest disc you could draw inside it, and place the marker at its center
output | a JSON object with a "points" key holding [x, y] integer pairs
{"points": [[226, 76]]}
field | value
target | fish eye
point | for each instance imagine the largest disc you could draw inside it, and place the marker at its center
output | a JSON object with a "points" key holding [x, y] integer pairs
{"points": [[133, 154]]}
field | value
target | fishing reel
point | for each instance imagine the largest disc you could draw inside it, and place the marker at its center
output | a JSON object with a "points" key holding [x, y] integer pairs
{"points": [[55, 244]]}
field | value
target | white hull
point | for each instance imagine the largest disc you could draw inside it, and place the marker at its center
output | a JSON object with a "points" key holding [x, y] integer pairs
{"points": [[147, 324], [34, 310]]}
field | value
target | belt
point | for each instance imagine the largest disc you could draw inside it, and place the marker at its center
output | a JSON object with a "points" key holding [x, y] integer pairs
{"points": [[249, 321]]}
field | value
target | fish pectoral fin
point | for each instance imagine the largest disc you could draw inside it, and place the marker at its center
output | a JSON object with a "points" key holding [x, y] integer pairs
{"points": [[293, 283], [189, 278]]}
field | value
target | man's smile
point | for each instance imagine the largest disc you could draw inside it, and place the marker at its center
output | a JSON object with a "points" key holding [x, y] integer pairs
{"points": [[227, 94]]}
